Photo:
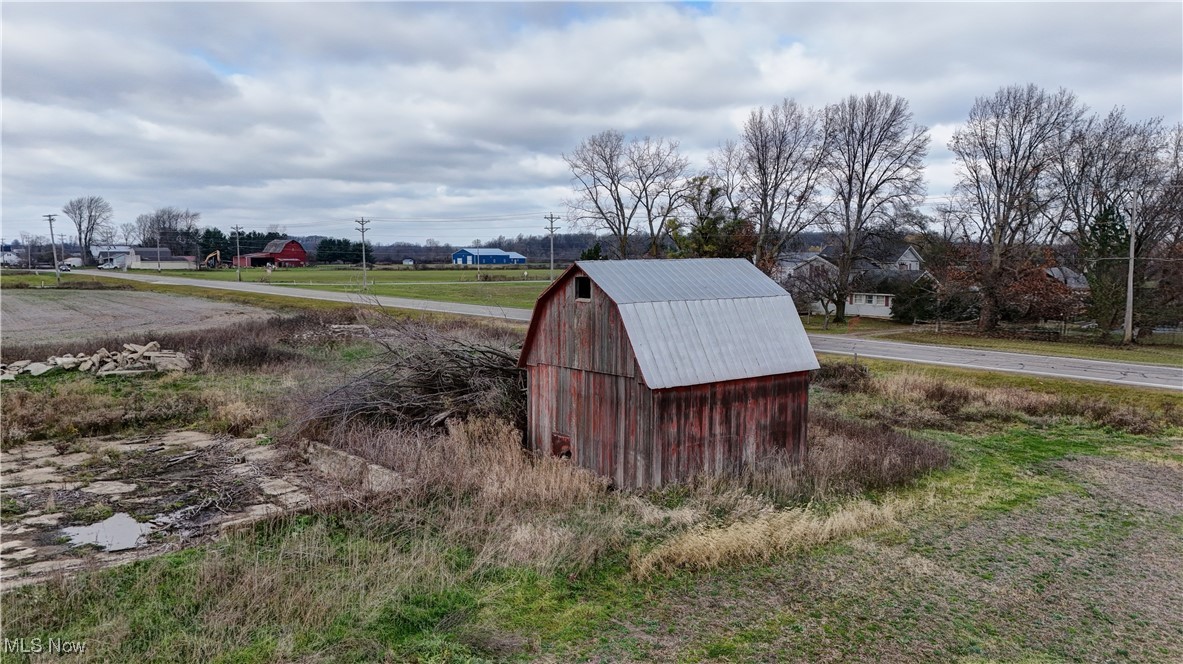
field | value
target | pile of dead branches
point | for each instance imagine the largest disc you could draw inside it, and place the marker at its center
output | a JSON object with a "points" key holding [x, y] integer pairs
{"points": [[425, 377]]}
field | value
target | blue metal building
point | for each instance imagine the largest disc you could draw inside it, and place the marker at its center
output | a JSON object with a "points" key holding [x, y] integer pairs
{"points": [[486, 256]]}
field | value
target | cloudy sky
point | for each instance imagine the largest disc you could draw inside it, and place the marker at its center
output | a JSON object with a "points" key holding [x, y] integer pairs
{"points": [[449, 120]]}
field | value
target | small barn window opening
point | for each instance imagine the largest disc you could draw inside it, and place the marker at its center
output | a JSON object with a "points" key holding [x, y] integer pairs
{"points": [[582, 288]]}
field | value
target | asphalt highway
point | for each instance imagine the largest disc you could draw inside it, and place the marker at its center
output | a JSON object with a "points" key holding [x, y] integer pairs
{"points": [[1139, 375]]}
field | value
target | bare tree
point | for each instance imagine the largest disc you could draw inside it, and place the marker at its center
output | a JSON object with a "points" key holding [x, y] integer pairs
{"points": [[815, 283], [1006, 157], [1101, 160], [874, 168], [128, 232], [91, 215], [174, 228], [618, 186], [780, 156]]}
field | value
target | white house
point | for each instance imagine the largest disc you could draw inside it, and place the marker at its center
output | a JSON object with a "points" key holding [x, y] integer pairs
{"points": [[898, 262], [10, 258]]}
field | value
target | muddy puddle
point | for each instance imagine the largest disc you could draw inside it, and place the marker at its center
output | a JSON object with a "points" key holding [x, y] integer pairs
{"points": [[119, 532]]}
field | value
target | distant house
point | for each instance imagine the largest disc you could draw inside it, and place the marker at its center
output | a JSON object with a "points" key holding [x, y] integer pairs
{"points": [[893, 263], [486, 256], [280, 253], [650, 372], [151, 258], [408, 261], [10, 258], [116, 254], [1069, 277]]}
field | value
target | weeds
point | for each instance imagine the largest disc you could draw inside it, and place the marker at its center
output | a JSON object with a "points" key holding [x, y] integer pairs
{"points": [[843, 376], [914, 399], [762, 537]]}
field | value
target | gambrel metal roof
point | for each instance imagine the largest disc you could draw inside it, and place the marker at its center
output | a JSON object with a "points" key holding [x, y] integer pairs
{"points": [[704, 320]]}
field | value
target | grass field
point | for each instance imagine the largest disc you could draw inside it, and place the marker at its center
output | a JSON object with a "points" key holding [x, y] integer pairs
{"points": [[1054, 534], [351, 276], [1147, 354]]}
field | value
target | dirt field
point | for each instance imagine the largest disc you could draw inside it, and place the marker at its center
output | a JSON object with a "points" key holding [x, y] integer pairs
{"points": [[30, 315]]}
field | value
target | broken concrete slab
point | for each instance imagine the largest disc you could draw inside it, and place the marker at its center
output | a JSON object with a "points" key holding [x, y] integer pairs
{"points": [[39, 368], [109, 488]]}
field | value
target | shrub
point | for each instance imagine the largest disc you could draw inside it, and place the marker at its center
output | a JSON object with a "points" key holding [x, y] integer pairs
{"points": [[843, 376], [850, 457]]}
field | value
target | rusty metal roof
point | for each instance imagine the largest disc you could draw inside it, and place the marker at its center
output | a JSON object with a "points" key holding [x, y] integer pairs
{"points": [[704, 320]]}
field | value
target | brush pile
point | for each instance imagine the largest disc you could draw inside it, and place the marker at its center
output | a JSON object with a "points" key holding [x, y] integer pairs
{"points": [[426, 377]]}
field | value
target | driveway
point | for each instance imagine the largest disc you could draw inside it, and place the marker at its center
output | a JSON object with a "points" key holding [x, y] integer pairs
{"points": [[1139, 375]]}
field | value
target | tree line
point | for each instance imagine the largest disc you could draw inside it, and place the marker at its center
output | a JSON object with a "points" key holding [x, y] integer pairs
{"points": [[1037, 174]]}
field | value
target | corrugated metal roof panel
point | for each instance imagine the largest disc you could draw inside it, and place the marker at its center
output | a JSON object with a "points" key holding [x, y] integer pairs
{"points": [[691, 342], [627, 282]]}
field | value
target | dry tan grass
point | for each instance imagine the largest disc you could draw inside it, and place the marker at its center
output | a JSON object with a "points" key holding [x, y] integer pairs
{"points": [[764, 536], [921, 400]]}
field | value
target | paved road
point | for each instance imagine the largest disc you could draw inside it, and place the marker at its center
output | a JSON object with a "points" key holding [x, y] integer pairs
{"points": [[1142, 375]]}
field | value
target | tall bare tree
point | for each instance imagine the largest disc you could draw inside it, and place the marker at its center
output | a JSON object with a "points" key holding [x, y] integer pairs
{"points": [[128, 232], [1102, 160], [1105, 166], [1006, 156], [619, 186], [174, 228], [91, 216], [875, 169], [781, 155]]}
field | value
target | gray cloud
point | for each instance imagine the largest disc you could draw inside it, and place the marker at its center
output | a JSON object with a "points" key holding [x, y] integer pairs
{"points": [[308, 114]]}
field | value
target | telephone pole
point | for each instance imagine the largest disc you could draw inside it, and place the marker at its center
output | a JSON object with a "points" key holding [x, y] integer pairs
{"points": [[158, 232], [237, 251], [551, 228], [361, 226], [56, 272], [1128, 335]]}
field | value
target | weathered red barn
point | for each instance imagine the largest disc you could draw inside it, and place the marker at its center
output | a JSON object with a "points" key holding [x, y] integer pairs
{"points": [[280, 253], [651, 371]]}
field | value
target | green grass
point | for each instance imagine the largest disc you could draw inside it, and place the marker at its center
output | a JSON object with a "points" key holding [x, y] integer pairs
{"points": [[440, 285], [855, 325], [494, 294], [1009, 531], [1167, 355], [350, 276]]}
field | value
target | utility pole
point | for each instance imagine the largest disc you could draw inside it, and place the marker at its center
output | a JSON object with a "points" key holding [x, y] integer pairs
{"points": [[551, 227], [158, 232], [361, 226], [237, 251], [1128, 337], [56, 272]]}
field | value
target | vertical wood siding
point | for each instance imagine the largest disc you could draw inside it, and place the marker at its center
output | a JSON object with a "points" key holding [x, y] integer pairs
{"points": [[587, 335], [584, 383]]}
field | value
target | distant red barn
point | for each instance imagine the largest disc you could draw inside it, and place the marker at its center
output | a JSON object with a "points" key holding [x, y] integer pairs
{"points": [[651, 371], [280, 253]]}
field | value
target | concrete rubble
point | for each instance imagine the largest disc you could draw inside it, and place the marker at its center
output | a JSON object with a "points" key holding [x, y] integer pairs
{"points": [[132, 360]]}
